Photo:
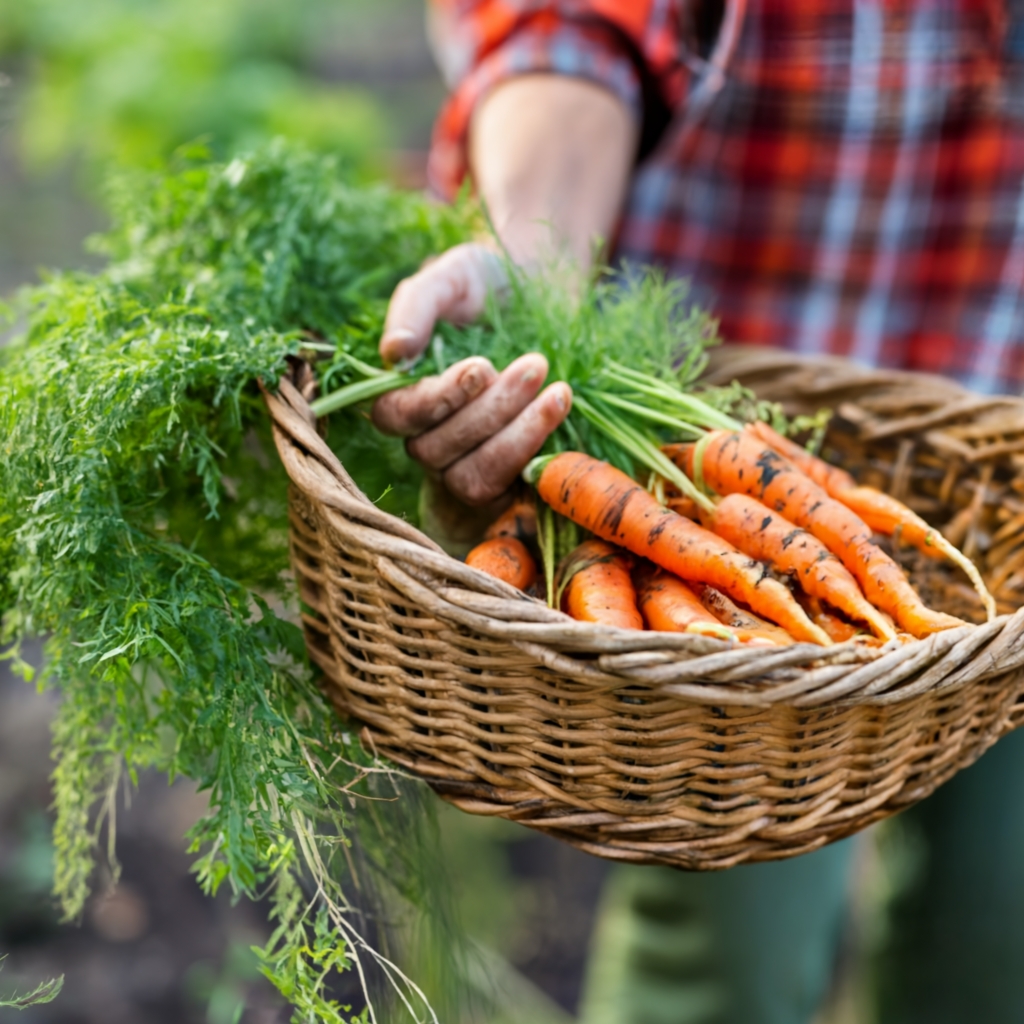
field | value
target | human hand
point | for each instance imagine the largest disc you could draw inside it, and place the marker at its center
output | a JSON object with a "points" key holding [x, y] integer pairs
{"points": [[472, 427], [453, 286]]}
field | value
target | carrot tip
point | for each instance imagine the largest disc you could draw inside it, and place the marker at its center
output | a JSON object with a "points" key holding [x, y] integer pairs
{"points": [[957, 557]]}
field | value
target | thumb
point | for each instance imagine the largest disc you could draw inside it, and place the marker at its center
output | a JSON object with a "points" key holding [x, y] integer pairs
{"points": [[452, 287]]}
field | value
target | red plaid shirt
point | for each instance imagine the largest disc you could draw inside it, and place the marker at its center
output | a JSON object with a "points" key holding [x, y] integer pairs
{"points": [[856, 185]]}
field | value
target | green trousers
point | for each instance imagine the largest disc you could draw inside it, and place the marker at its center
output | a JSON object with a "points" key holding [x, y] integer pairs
{"points": [[758, 944]]}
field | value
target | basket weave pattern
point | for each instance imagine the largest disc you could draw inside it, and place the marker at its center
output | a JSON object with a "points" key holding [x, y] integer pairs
{"points": [[666, 748]]}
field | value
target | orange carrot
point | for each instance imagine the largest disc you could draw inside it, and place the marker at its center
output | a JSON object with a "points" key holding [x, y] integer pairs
{"points": [[670, 606], [765, 535], [598, 587], [743, 623], [505, 558], [603, 500], [837, 628], [741, 463], [831, 478], [882, 512], [519, 520], [840, 630]]}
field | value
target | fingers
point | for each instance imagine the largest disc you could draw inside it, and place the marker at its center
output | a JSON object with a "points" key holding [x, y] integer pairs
{"points": [[474, 427], [489, 471], [412, 410], [452, 287], [512, 391]]}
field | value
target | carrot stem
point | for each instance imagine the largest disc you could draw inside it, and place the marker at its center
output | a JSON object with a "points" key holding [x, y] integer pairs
{"points": [[546, 541], [698, 463], [642, 449], [364, 368], [650, 414], [696, 409], [360, 391]]}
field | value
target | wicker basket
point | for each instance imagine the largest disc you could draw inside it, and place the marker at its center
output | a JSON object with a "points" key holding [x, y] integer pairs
{"points": [[662, 748]]}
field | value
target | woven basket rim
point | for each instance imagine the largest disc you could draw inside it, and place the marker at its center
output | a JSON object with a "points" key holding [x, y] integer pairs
{"points": [[695, 669]]}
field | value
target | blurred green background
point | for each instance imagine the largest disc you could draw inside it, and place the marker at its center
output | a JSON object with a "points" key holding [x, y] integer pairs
{"points": [[90, 86], [124, 82]]}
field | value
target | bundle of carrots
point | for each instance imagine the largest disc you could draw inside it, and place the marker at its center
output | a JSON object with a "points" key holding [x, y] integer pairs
{"points": [[764, 543], [746, 535]]}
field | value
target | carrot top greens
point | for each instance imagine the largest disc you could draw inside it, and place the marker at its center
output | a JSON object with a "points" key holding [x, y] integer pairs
{"points": [[143, 531]]}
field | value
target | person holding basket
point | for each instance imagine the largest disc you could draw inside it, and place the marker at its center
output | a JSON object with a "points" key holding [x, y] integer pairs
{"points": [[832, 177]]}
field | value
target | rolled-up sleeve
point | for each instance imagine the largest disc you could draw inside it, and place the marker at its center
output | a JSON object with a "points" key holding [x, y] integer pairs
{"points": [[630, 47]]}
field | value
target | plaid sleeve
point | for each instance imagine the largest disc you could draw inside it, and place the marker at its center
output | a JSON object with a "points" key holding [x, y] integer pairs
{"points": [[629, 46]]}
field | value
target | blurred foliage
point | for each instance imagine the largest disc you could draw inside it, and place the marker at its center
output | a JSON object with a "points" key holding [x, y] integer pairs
{"points": [[130, 80], [221, 989], [43, 993]]}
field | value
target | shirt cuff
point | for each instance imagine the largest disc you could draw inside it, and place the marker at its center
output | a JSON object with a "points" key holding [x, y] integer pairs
{"points": [[577, 51]]}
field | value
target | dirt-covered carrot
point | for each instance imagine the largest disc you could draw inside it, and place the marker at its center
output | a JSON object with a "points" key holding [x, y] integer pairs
{"points": [[739, 463], [519, 520], [603, 500], [837, 628], [743, 623], [505, 558], [765, 535], [882, 512], [832, 478], [597, 587], [840, 629], [670, 606]]}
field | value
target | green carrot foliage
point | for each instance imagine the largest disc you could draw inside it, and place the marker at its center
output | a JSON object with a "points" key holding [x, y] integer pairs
{"points": [[143, 528]]}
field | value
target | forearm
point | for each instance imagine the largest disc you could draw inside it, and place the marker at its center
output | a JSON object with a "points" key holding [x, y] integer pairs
{"points": [[551, 158]]}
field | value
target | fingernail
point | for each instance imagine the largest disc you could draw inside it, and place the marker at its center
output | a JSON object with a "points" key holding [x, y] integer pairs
{"points": [[396, 341], [399, 334], [529, 376], [562, 399], [472, 381]]}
